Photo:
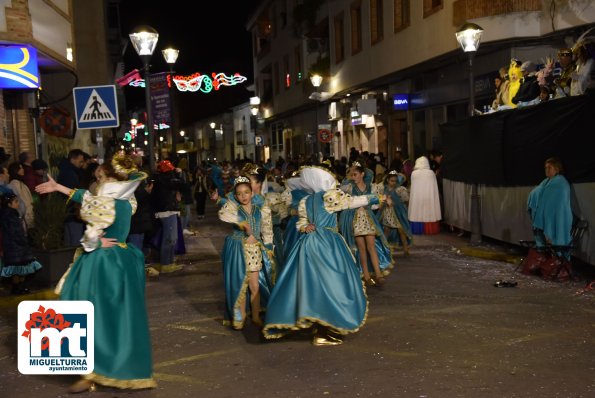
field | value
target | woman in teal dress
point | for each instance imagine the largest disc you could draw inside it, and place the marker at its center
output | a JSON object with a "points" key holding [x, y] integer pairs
{"points": [[246, 255], [320, 287], [394, 218], [550, 210], [362, 230], [111, 275]]}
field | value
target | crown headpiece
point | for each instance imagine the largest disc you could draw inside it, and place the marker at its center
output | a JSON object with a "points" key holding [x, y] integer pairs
{"points": [[123, 165], [241, 180], [356, 164], [393, 172]]}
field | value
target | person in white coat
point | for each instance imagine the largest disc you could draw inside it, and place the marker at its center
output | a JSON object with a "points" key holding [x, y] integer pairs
{"points": [[424, 200]]}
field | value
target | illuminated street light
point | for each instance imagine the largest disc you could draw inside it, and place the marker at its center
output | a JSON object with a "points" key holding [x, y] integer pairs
{"points": [[469, 37], [316, 81], [171, 56], [144, 40]]}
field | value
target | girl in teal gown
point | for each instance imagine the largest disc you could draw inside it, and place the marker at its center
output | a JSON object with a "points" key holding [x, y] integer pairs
{"points": [[320, 286], [246, 255], [394, 218], [111, 275], [362, 230]]}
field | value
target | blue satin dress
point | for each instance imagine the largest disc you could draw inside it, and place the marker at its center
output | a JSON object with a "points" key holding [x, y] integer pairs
{"points": [[400, 210], [346, 220], [320, 283], [113, 279], [235, 277]]}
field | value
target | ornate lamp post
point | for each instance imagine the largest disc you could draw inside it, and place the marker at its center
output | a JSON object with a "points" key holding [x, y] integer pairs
{"points": [[144, 39], [171, 56], [316, 81], [469, 37]]}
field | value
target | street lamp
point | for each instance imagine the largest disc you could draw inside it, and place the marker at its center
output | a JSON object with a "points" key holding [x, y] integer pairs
{"points": [[171, 56], [316, 81], [133, 123], [469, 37], [144, 40]]}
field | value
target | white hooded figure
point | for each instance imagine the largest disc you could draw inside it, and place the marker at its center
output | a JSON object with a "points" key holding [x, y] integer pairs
{"points": [[424, 200]]}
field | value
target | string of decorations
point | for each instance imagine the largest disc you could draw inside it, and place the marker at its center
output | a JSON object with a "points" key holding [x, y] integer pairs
{"points": [[195, 82]]}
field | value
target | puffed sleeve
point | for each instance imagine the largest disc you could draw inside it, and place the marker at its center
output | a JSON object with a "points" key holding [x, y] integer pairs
{"points": [[229, 213], [286, 197], [376, 189], [403, 194], [302, 221], [266, 226], [336, 200]]}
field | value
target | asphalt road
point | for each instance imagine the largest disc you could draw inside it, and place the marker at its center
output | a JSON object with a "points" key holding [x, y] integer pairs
{"points": [[437, 328]]}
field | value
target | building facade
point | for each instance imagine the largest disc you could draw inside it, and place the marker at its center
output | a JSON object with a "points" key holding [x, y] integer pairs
{"points": [[392, 69]]}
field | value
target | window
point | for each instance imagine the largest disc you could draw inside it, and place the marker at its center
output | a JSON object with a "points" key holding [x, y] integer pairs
{"points": [[356, 27], [401, 14], [339, 38], [297, 53], [286, 73], [277, 136], [376, 23], [432, 6]]}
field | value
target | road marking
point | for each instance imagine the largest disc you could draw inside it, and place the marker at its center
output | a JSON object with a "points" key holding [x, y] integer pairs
{"points": [[193, 358]]}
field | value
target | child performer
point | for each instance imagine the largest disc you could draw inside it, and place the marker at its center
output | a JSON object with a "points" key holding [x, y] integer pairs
{"points": [[362, 231], [245, 251], [394, 218]]}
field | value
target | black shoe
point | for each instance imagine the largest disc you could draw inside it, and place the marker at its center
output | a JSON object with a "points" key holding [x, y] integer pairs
{"points": [[505, 284], [18, 290]]}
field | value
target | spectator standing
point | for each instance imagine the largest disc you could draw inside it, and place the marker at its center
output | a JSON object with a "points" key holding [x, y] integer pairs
{"points": [[141, 223], [16, 173], [424, 198], [69, 176], [18, 261], [200, 192], [4, 179], [4, 157], [164, 196], [25, 159], [186, 195]]}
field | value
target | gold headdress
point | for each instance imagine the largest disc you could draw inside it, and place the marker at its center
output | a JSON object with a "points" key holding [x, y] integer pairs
{"points": [[327, 162], [123, 164], [356, 164], [250, 168], [393, 173], [241, 180]]}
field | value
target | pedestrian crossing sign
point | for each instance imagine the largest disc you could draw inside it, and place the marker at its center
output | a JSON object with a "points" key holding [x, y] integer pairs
{"points": [[96, 107]]}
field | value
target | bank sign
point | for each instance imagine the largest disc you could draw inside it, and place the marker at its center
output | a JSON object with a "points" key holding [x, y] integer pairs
{"points": [[18, 67], [56, 337], [401, 102]]}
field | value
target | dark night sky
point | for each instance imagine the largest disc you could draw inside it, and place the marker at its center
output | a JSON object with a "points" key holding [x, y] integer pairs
{"points": [[211, 37]]}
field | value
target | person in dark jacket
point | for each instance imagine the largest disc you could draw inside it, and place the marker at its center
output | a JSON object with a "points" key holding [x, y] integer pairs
{"points": [[142, 220], [69, 176], [17, 259], [165, 198], [200, 191]]}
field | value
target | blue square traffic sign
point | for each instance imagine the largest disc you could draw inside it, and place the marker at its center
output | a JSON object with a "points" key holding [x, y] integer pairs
{"points": [[96, 107]]}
